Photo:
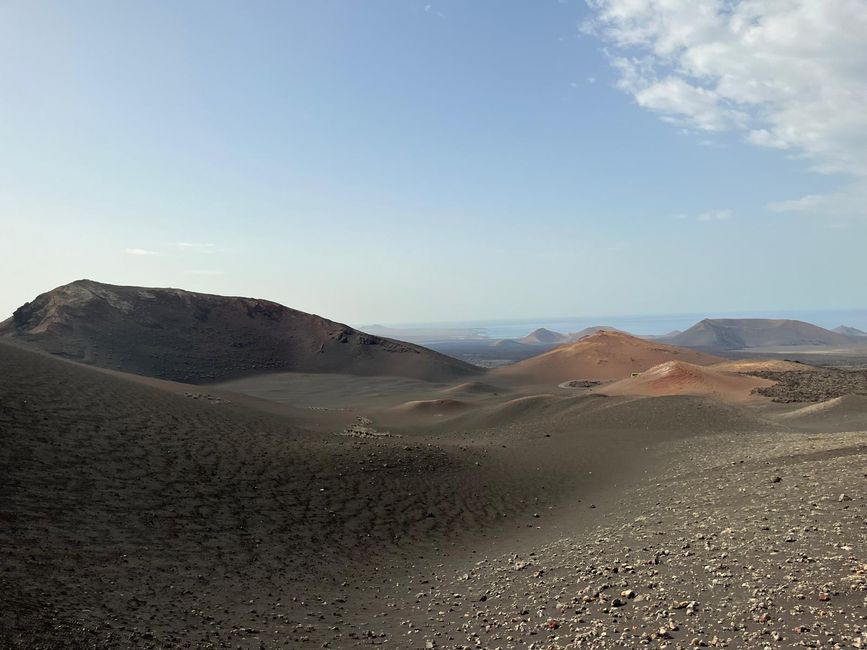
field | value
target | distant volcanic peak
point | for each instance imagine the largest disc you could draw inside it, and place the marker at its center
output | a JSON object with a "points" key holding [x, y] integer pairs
{"points": [[195, 337], [609, 337], [595, 329], [508, 343], [596, 339], [543, 335], [738, 333], [849, 331], [546, 332]]}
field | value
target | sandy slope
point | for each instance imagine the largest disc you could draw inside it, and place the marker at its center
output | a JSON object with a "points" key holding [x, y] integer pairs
{"points": [[473, 388], [601, 356], [437, 407], [845, 413], [139, 514]]}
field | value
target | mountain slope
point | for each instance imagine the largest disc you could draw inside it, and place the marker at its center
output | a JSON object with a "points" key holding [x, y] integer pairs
{"points": [[198, 338], [601, 356], [739, 333]]}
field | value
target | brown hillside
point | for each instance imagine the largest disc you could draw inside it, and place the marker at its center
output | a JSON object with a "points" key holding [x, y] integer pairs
{"points": [[601, 356], [680, 378]]}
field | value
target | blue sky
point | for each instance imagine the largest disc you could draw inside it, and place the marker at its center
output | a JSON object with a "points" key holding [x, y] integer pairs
{"points": [[400, 161]]}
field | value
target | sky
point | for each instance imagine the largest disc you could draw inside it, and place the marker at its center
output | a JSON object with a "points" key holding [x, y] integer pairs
{"points": [[413, 161]]}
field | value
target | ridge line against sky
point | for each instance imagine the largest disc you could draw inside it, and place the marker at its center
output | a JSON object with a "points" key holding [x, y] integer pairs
{"points": [[424, 161]]}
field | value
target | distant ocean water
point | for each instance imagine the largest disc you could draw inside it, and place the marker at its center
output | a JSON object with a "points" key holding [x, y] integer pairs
{"points": [[653, 325]]}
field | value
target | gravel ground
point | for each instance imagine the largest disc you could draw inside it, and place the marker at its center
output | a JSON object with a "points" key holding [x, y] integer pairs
{"points": [[757, 542]]}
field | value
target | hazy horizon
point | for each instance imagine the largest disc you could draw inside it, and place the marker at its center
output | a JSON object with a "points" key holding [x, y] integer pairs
{"points": [[417, 161], [644, 324]]}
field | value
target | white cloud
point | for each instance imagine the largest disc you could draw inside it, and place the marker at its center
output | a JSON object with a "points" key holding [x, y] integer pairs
{"points": [[683, 103], [206, 272], [804, 204], [715, 215], [849, 202], [787, 74], [140, 251], [195, 247], [710, 215]]}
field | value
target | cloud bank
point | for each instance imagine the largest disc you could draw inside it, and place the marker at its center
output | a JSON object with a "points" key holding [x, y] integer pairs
{"points": [[787, 74], [196, 247], [141, 251]]}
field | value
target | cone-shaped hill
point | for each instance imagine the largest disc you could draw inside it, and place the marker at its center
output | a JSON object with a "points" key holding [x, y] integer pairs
{"points": [[601, 356], [681, 378], [544, 336]]}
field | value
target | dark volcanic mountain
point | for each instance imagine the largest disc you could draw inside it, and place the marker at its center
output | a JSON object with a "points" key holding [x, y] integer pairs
{"points": [[199, 338], [740, 333]]}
